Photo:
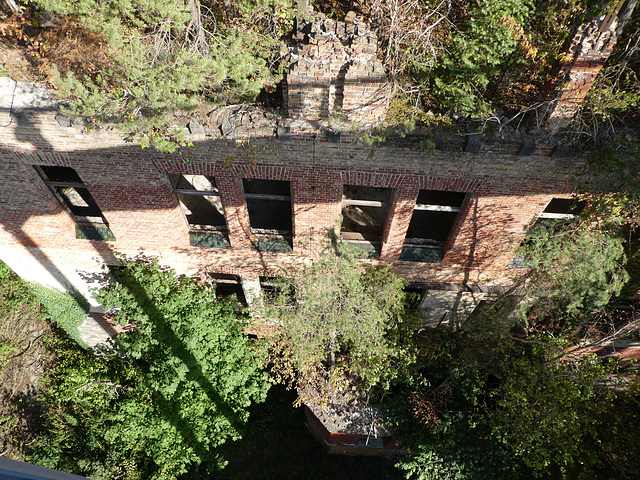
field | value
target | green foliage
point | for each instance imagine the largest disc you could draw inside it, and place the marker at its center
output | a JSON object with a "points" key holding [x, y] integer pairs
{"points": [[485, 403], [619, 444], [459, 450], [179, 386], [615, 172], [66, 309], [615, 95], [23, 335], [475, 53], [340, 317], [15, 295], [614, 197], [443, 407], [605, 100], [166, 56], [549, 413], [574, 270]]}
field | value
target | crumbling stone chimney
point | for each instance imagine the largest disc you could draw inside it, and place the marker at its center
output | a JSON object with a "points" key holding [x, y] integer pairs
{"points": [[335, 71], [588, 51]]}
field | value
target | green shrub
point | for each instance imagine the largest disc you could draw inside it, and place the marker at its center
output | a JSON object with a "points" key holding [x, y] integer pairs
{"points": [[166, 56], [15, 295], [179, 387]]}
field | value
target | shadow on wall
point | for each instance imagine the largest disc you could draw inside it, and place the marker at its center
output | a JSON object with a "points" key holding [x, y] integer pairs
{"points": [[136, 198]]}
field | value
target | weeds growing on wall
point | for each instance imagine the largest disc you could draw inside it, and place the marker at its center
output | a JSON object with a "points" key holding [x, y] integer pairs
{"points": [[155, 58], [66, 309]]}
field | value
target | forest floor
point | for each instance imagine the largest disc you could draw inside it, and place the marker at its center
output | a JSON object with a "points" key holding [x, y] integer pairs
{"points": [[277, 446]]}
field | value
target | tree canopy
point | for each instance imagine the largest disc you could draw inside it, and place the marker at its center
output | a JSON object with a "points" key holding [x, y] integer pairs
{"points": [[177, 386], [340, 321]]}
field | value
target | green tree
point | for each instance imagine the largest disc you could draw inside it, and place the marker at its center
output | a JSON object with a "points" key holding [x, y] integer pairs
{"points": [[178, 386], [574, 270], [340, 321], [486, 401], [164, 56], [548, 413], [476, 53]]}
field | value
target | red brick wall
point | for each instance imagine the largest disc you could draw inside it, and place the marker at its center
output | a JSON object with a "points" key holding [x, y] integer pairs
{"points": [[130, 185], [588, 50], [335, 71]]}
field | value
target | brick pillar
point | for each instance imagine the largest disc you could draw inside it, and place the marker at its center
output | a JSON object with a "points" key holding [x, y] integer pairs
{"points": [[398, 219], [335, 70], [489, 229], [252, 290], [235, 210], [588, 51], [317, 202]]}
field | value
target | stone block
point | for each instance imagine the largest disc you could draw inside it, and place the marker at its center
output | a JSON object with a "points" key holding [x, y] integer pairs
{"points": [[195, 127], [283, 133], [441, 307], [63, 120]]}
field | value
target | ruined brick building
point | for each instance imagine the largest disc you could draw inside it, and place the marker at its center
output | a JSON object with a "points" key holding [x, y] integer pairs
{"points": [[256, 192]]}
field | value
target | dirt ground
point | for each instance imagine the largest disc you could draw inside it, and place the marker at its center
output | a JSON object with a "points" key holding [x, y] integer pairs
{"points": [[32, 42], [13, 64], [23, 360]]}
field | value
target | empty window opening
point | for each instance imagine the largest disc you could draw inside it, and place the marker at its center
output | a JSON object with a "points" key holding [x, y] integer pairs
{"points": [[72, 193], [433, 219], [228, 287], [558, 213], [275, 287], [414, 293], [67, 186], [270, 214], [200, 202], [562, 209], [270, 285], [364, 216]]}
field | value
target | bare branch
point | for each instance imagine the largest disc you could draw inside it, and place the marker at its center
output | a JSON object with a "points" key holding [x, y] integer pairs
{"points": [[97, 382]]}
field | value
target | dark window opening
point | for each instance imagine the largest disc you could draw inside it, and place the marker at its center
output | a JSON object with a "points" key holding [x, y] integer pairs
{"points": [[414, 293], [270, 214], [60, 174], [72, 193], [200, 202], [364, 216], [558, 213], [228, 286], [94, 232], [433, 219], [274, 287], [562, 209], [270, 285]]}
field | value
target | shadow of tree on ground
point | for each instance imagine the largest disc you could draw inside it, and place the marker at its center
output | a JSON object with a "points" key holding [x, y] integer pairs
{"points": [[276, 445]]}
